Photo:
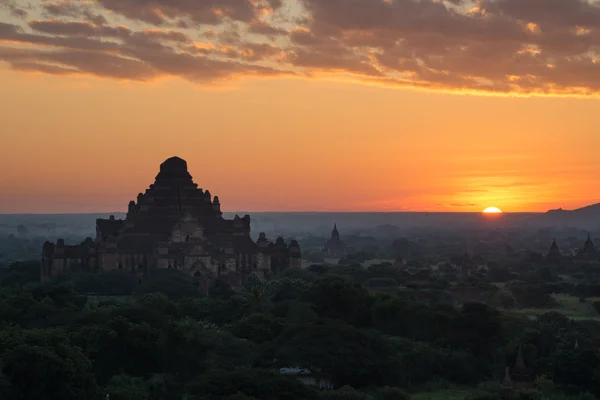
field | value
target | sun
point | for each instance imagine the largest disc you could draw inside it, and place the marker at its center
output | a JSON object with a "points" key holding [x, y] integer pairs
{"points": [[492, 210]]}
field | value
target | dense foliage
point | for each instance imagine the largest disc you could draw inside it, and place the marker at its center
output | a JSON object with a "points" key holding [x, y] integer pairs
{"points": [[82, 336]]}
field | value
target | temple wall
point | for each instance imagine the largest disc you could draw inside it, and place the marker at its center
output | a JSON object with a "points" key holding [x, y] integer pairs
{"points": [[296, 262], [165, 262], [190, 262], [263, 261], [59, 266], [230, 264], [109, 261], [130, 261], [158, 211], [215, 266]]}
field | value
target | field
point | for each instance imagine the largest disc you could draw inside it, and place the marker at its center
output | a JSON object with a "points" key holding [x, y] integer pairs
{"points": [[570, 306]]}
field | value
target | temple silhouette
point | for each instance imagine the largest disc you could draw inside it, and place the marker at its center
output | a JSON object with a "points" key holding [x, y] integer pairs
{"points": [[335, 247], [176, 225]]}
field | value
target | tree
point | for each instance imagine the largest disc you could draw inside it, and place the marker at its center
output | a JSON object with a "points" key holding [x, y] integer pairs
{"points": [[344, 393], [22, 273], [158, 302], [6, 389], [221, 290], [344, 354], [116, 282], [125, 387], [577, 368], [478, 328], [255, 300], [339, 298], [253, 383], [191, 347], [57, 372], [286, 289], [391, 393], [172, 283], [219, 311], [258, 328], [163, 387], [133, 347]]}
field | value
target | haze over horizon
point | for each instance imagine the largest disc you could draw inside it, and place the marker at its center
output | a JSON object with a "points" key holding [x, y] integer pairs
{"points": [[292, 105]]}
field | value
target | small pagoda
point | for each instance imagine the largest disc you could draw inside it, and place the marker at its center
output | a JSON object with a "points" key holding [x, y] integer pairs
{"points": [[335, 247], [520, 375], [588, 253], [554, 253], [508, 388]]}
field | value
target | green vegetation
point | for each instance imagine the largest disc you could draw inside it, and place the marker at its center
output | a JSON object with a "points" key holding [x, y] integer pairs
{"points": [[82, 336], [570, 306]]}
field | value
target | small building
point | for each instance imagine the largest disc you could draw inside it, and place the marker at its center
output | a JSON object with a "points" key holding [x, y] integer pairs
{"points": [[335, 247], [308, 378]]}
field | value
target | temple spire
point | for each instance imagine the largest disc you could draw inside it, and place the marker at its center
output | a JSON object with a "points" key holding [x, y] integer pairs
{"points": [[554, 250], [507, 382], [588, 246], [520, 363], [335, 232]]}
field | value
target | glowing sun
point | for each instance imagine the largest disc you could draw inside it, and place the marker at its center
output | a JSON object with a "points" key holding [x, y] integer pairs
{"points": [[492, 210]]}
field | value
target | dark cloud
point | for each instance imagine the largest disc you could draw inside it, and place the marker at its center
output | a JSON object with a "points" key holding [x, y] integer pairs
{"points": [[161, 12], [45, 68], [549, 13], [544, 46], [334, 56], [78, 28], [15, 8], [82, 48], [304, 37], [532, 46], [264, 28], [73, 9]]}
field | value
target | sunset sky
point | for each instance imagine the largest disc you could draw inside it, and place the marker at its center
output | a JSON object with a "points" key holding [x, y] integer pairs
{"points": [[302, 105]]}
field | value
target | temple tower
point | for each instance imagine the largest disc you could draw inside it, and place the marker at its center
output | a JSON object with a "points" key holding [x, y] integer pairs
{"points": [[334, 247], [520, 374], [554, 252], [588, 246], [173, 224]]}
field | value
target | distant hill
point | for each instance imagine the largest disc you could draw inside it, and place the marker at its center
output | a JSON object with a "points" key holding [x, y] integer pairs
{"points": [[585, 218], [594, 210]]}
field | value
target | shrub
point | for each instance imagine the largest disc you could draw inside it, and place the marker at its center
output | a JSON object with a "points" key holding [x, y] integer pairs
{"points": [[391, 393], [544, 384], [482, 395], [531, 394]]}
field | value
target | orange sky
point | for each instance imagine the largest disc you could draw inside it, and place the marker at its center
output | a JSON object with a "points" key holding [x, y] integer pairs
{"points": [[85, 144], [73, 142]]}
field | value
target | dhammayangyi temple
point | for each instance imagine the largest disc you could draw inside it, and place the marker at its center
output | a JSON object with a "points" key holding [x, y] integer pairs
{"points": [[177, 225]]}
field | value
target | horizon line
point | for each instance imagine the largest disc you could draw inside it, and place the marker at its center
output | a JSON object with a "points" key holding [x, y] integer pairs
{"points": [[289, 212]]}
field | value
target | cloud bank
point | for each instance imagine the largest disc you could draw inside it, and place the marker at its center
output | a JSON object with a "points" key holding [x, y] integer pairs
{"points": [[485, 46]]}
